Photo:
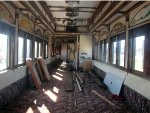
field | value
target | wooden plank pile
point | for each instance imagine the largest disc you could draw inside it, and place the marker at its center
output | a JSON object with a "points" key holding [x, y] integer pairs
{"points": [[39, 72]]}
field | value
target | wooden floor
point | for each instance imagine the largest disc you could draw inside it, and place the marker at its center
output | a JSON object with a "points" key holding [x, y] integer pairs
{"points": [[52, 97]]}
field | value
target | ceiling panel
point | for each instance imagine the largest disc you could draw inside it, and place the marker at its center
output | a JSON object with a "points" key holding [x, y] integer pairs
{"points": [[59, 12]]}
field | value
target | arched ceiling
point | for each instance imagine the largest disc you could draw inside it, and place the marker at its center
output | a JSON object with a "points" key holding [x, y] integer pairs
{"points": [[91, 14]]}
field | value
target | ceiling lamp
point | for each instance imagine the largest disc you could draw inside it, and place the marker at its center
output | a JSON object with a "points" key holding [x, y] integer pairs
{"points": [[72, 3]]}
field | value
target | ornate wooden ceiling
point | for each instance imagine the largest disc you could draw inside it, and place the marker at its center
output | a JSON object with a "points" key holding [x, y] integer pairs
{"points": [[89, 14]]}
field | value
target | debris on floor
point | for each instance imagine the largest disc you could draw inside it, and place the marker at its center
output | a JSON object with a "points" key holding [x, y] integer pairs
{"points": [[53, 98]]}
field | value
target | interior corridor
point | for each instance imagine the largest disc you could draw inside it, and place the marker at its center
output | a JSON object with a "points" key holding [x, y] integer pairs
{"points": [[52, 97]]}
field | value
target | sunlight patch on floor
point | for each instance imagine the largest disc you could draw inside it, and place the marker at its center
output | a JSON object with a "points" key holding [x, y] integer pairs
{"points": [[60, 70], [55, 89], [51, 95], [59, 74], [58, 78], [35, 101], [43, 109], [29, 110]]}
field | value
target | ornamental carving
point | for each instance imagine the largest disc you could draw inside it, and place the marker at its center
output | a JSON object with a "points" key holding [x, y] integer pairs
{"points": [[119, 26], [26, 24], [38, 32], [104, 35]]}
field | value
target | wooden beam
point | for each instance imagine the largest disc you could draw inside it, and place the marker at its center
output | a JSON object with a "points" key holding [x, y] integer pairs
{"points": [[47, 10], [58, 25], [33, 4], [66, 11], [98, 10], [135, 6], [117, 10], [78, 77], [69, 18], [80, 89], [111, 7], [33, 13], [76, 7], [102, 97], [130, 9], [64, 32], [13, 4], [113, 13]]}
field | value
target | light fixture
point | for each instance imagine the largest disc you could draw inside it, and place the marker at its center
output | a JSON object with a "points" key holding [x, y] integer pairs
{"points": [[72, 3]]}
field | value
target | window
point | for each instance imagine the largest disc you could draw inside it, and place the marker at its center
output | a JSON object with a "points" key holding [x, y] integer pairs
{"points": [[114, 45], [39, 49], [121, 52], [107, 50], [98, 51], [28, 54], [102, 51], [20, 50], [46, 50], [95, 51], [138, 49], [35, 50], [3, 51]]}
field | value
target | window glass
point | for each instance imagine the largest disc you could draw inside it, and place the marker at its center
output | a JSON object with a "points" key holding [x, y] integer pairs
{"points": [[28, 54], [20, 50], [95, 51], [114, 52], [46, 51], [121, 52], [3, 51], [139, 53], [35, 50], [102, 52], [107, 52], [39, 49]]}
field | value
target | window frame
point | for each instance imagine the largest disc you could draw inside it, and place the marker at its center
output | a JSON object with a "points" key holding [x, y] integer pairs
{"points": [[23, 53], [8, 51], [120, 37], [29, 37], [113, 39], [133, 33], [46, 43], [36, 49]]}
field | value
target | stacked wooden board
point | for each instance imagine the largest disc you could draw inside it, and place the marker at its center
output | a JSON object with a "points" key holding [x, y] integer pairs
{"points": [[41, 75]]}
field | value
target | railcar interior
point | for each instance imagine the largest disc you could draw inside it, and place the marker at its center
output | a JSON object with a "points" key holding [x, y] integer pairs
{"points": [[74, 56]]}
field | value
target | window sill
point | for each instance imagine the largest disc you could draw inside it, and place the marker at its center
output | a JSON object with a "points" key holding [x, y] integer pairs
{"points": [[142, 76], [3, 71]]}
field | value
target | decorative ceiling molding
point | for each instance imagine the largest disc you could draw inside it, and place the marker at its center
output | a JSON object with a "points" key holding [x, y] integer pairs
{"points": [[119, 26], [113, 4], [33, 4], [142, 15], [25, 23], [103, 35], [34, 14], [5, 14]]}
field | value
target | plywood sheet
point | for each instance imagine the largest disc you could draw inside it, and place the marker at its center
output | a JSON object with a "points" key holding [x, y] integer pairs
{"points": [[39, 68], [44, 69], [68, 81], [114, 83], [34, 73]]}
